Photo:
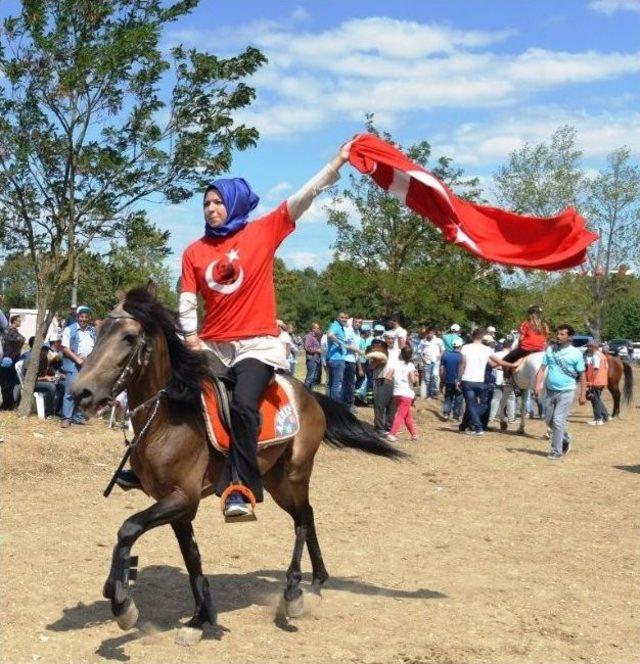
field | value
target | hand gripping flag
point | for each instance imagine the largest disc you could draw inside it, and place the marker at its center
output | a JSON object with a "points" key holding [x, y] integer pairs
{"points": [[544, 243]]}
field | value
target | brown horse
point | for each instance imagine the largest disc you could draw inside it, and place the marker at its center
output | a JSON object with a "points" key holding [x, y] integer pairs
{"points": [[139, 349], [617, 369]]}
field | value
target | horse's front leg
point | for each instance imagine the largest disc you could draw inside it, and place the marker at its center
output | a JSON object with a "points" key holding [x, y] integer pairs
{"points": [[176, 506], [191, 633]]}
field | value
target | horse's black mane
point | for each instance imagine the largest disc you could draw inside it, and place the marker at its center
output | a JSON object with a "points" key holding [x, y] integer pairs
{"points": [[188, 368]]}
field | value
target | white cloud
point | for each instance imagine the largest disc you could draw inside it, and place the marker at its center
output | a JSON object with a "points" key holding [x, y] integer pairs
{"points": [[487, 143], [277, 192], [612, 6], [302, 259], [393, 67]]}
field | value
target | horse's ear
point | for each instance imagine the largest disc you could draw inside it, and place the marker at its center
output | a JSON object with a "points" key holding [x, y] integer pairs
{"points": [[152, 288], [121, 294]]}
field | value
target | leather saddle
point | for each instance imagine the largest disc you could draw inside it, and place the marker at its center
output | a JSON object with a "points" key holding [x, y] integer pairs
{"points": [[279, 419]]}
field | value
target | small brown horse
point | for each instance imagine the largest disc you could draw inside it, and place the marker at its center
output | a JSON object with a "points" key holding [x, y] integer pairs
{"points": [[139, 349], [617, 369]]}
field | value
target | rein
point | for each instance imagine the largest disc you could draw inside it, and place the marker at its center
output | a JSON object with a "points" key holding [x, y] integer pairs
{"points": [[142, 353]]}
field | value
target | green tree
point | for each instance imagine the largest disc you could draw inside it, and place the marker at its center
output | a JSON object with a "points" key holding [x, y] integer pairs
{"points": [[613, 206], [382, 237], [87, 133], [622, 314], [542, 179]]}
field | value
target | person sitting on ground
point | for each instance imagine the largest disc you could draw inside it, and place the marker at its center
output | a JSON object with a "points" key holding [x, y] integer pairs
{"points": [[47, 383], [12, 346]]}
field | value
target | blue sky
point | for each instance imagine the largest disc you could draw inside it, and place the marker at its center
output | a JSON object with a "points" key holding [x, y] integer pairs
{"points": [[475, 79]]}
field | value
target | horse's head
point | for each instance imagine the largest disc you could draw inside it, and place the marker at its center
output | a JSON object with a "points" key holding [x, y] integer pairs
{"points": [[121, 351], [138, 331]]}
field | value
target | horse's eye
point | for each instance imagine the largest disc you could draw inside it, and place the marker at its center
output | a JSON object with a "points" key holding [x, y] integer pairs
{"points": [[130, 338]]}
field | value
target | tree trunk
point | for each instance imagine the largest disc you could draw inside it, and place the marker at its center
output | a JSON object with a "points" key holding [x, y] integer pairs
{"points": [[43, 321]]}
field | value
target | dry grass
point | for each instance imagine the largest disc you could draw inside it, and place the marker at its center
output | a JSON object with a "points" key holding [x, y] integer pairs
{"points": [[478, 550]]}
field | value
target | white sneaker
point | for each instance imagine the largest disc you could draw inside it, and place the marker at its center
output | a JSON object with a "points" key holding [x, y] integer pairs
{"points": [[391, 438], [236, 506], [595, 423]]}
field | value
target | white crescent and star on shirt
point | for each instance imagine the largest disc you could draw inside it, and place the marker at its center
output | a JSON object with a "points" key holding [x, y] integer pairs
{"points": [[225, 288]]}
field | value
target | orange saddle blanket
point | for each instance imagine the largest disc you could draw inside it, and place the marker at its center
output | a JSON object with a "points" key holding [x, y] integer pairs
{"points": [[278, 416]]}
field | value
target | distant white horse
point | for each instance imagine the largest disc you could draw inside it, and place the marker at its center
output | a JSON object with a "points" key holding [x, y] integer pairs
{"points": [[524, 377]]}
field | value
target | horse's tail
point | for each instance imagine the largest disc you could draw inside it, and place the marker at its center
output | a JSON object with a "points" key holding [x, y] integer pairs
{"points": [[628, 382], [344, 429]]}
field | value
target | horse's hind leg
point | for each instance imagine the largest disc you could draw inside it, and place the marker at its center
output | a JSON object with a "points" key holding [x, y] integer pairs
{"points": [[205, 611], [293, 497], [320, 574], [615, 393], [174, 507]]}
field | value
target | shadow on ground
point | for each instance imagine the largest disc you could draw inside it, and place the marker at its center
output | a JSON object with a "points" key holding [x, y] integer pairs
{"points": [[526, 450], [629, 469], [163, 598]]}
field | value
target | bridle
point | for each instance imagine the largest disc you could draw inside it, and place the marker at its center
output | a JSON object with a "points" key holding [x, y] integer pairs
{"points": [[138, 358], [140, 354]]}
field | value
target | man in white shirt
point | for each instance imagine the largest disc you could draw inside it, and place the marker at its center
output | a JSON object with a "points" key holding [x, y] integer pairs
{"points": [[429, 351], [78, 340], [503, 404], [400, 334], [475, 357]]}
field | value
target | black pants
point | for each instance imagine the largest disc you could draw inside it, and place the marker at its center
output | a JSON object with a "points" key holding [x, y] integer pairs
{"points": [[251, 379], [384, 406], [8, 381], [514, 355]]}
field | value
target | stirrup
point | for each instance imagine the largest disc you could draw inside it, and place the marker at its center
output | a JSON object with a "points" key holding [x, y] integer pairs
{"points": [[127, 480], [246, 493]]}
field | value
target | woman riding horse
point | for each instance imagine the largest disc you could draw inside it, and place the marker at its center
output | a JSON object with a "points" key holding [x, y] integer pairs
{"points": [[231, 266]]}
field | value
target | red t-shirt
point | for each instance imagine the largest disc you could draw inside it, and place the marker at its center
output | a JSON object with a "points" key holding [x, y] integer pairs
{"points": [[235, 276], [530, 339]]}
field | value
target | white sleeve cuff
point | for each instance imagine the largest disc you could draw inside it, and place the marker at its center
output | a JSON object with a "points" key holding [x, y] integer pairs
{"points": [[188, 311]]}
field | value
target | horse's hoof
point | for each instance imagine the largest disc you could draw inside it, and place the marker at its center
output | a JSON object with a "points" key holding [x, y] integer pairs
{"points": [[188, 636], [503, 426], [520, 432], [129, 617], [295, 608]]}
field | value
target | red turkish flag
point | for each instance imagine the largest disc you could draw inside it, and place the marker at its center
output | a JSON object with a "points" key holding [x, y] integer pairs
{"points": [[544, 243]]}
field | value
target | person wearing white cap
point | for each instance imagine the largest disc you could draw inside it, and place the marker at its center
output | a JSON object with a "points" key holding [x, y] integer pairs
{"points": [[78, 340], [449, 365], [453, 335]]}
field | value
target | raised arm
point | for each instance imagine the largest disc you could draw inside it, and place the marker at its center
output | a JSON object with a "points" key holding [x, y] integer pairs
{"points": [[299, 202]]}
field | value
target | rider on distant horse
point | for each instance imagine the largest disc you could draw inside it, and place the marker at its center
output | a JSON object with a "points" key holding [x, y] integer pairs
{"points": [[232, 267]]}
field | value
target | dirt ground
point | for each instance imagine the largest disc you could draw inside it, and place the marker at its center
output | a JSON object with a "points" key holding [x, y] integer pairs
{"points": [[477, 550]]}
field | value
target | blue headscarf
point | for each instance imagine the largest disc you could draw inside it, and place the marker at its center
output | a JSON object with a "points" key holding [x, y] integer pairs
{"points": [[239, 199]]}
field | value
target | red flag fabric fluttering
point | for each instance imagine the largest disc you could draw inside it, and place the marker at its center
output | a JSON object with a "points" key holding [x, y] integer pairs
{"points": [[544, 243]]}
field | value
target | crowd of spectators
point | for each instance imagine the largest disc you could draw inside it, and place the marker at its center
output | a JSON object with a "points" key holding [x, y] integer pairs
{"points": [[58, 363], [383, 365], [366, 363]]}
